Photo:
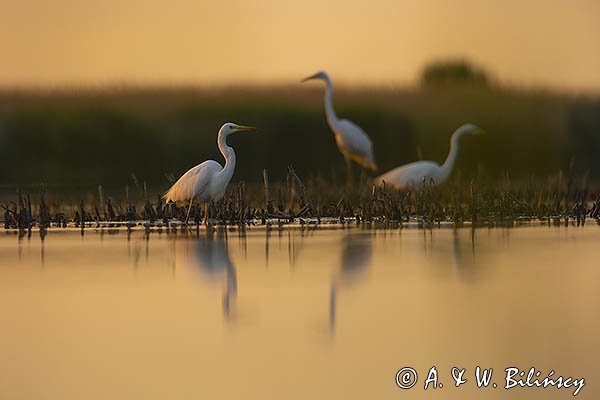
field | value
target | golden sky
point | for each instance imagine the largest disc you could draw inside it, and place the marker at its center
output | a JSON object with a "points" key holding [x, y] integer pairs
{"points": [[524, 42]]}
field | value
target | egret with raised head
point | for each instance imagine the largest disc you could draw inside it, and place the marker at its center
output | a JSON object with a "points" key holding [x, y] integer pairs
{"points": [[207, 181], [413, 175], [354, 144]]}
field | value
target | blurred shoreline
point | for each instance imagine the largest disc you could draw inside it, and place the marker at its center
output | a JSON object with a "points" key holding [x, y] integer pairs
{"points": [[135, 88], [100, 135]]}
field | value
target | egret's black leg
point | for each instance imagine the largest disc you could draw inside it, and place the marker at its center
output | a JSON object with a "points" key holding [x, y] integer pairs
{"points": [[206, 214], [187, 217], [349, 171]]}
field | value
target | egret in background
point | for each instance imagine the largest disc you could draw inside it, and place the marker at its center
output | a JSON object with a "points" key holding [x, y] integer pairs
{"points": [[354, 144], [207, 181], [415, 174]]}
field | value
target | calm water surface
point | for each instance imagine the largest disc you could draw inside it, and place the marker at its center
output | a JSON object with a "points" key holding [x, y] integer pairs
{"points": [[330, 314]]}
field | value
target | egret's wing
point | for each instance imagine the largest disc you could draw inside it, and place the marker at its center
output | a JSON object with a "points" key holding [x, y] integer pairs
{"points": [[355, 139], [356, 142], [409, 175], [193, 183]]}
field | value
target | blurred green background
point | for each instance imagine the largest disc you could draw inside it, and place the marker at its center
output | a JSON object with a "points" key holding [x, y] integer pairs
{"points": [[101, 136]]}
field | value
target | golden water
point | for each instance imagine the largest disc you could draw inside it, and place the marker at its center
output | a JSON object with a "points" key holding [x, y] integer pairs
{"points": [[330, 314]]}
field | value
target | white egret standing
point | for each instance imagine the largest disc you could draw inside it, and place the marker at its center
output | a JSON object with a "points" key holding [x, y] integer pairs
{"points": [[352, 141], [207, 181], [414, 174]]}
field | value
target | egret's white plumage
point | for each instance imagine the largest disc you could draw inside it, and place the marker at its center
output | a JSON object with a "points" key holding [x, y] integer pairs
{"points": [[207, 181], [352, 141], [195, 182], [415, 174]]}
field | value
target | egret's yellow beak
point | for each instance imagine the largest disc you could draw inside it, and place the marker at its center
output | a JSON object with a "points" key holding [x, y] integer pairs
{"points": [[309, 77], [242, 128]]}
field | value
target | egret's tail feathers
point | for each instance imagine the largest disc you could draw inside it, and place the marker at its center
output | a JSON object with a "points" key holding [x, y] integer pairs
{"points": [[178, 194], [372, 165], [168, 195]]}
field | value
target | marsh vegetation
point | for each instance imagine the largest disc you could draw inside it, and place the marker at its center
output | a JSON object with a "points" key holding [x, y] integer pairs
{"points": [[106, 155]]}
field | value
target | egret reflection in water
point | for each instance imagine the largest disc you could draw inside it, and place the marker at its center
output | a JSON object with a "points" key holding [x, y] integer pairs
{"points": [[211, 257], [464, 255], [354, 261]]}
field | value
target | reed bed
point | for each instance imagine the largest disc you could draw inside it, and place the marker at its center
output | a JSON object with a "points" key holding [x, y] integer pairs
{"points": [[555, 201]]}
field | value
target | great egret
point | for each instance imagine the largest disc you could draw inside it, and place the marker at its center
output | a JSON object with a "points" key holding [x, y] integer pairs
{"points": [[352, 141], [207, 181], [414, 174]]}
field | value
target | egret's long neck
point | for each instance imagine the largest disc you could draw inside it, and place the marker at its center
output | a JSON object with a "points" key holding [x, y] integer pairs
{"points": [[329, 111], [446, 168], [229, 155]]}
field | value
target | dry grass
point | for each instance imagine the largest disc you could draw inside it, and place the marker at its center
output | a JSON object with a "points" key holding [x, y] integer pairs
{"points": [[556, 200]]}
